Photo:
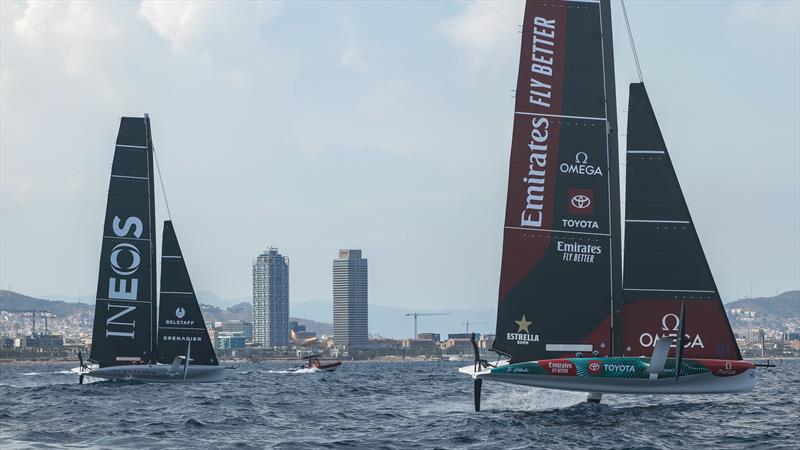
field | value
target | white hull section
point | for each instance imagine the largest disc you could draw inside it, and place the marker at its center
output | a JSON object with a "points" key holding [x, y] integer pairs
{"points": [[159, 373], [704, 383]]}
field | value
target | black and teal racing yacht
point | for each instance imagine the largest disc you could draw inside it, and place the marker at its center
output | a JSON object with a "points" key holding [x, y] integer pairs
{"points": [[571, 315]]}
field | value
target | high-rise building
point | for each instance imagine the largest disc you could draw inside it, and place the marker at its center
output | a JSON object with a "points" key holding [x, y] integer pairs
{"points": [[271, 299], [350, 311]]}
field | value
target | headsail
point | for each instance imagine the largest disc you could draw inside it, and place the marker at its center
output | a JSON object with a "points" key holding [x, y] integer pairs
{"points": [[664, 261], [561, 236], [124, 318], [180, 320]]}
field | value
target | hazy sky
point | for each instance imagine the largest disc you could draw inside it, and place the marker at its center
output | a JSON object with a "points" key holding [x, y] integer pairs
{"points": [[315, 126]]}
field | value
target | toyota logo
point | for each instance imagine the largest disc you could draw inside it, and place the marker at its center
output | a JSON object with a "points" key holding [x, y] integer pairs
{"points": [[595, 368], [580, 201]]}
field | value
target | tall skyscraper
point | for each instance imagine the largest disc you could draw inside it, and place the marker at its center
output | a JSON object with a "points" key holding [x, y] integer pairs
{"points": [[350, 311], [271, 299]]}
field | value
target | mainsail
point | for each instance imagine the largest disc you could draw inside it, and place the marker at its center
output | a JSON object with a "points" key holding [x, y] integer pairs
{"points": [[180, 321], [559, 280], [125, 316], [664, 261]]}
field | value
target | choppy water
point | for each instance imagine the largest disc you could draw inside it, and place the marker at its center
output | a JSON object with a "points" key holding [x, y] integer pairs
{"points": [[379, 405]]}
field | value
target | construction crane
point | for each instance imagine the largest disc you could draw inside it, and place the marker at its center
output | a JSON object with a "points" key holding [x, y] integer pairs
{"points": [[415, 315], [468, 323]]}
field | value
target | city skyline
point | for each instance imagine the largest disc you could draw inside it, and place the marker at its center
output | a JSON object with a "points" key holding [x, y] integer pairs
{"points": [[391, 153]]}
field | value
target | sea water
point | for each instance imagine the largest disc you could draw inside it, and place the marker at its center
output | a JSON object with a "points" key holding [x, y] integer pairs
{"points": [[379, 405]]}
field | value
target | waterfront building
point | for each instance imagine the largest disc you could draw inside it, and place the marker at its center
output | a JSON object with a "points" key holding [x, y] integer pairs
{"points": [[790, 336], [228, 340], [236, 326], [43, 341], [415, 347], [350, 309], [457, 347], [270, 327], [486, 341], [754, 335], [429, 336], [466, 336]]}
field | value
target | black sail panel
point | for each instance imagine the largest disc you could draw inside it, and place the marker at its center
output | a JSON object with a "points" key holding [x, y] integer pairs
{"points": [[561, 234], [180, 320], [664, 260], [124, 309]]}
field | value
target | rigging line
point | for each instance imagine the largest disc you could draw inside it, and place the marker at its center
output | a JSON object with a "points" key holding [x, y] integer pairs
{"points": [[633, 46], [161, 181]]}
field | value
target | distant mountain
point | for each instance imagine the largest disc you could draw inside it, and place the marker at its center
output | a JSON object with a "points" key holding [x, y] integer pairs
{"points": [[781, 312], [244, 311], [14, 302], [775, 313], [211, 298], [783, 305]]}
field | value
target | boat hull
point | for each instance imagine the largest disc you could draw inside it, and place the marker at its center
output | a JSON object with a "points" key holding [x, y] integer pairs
{"points": [[160, 373], [328, 367], [624, 375]]}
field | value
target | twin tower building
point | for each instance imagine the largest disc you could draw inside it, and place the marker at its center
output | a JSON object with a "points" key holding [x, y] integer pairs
{"points": [[271, 299]]}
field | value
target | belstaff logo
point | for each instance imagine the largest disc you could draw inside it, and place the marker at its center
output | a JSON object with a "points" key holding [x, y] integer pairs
{"points": [[180, 312], [523, 325]]}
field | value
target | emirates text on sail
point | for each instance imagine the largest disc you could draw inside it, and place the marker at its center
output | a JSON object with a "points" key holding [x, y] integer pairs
{"points": [[540, 94]]}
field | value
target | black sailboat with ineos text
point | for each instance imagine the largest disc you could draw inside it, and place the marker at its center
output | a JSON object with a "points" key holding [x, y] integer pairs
{"points": [[570, 315], [131, 339]]}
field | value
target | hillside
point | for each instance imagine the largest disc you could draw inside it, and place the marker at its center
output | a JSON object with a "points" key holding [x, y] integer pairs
{"points": [[780, 313], [783, 305], [244, 311], [14, 302], [17, 303]]}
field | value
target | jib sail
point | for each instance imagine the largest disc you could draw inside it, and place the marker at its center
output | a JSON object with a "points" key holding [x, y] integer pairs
{"points": [[561, 245], [125, 315], [664, 261], [180, 320]]}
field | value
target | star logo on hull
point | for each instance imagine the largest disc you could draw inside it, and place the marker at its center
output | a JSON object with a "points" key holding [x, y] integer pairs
{"points": [[523, 324]]}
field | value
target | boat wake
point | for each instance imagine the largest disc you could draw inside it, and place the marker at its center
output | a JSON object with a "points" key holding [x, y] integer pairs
{"points": [[297, 370], [58, 372], [534, 399]]}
